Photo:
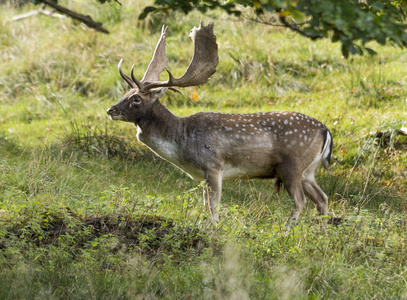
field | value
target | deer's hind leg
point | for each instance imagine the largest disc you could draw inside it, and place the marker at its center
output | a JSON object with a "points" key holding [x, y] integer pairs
{"points": [[317, 196], [293, 184], [297, 194], [313, 191]]}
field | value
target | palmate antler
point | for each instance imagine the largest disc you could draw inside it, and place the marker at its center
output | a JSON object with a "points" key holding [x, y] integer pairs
{"points": [[202, 66]]}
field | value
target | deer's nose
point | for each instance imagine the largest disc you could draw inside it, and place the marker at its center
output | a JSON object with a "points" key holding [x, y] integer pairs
{"points": [[110, 110]]}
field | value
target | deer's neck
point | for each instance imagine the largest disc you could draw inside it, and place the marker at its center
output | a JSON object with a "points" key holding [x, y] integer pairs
{"points": [[160, 131]]}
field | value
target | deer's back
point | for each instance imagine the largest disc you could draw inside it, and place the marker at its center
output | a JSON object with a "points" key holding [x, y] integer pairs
{"points": [[251, 145]]}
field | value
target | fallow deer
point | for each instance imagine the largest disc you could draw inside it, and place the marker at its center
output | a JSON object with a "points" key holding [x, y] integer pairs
{"points": [[215, 147]]}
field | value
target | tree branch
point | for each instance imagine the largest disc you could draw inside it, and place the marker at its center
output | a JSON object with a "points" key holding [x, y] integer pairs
{"points": [[87, 20], [41, 10], [283, 23], [296, 29]]}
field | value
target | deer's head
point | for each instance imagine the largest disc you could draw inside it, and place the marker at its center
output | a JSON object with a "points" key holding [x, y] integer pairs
{"points": [[137, 103]]}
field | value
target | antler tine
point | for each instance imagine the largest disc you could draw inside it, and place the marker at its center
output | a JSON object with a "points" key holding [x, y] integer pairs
{"points": [[138, 83], [203, 63], [159, 61], [130, 82]]}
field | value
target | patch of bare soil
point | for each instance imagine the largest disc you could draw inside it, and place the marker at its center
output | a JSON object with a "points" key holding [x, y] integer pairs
{"points": [[148, 234]]}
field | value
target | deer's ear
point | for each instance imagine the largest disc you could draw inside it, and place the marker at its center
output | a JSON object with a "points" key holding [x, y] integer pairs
{"points": [[158, 93]]}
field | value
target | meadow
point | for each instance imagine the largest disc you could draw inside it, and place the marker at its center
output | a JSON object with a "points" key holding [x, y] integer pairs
{"points": [[87, 212]]}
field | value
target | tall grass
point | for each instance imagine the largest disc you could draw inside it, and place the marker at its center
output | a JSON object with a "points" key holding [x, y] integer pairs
{"points": [[71, 180]]}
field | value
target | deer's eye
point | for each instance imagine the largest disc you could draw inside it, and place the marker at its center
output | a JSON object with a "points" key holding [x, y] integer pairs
{"points": [[136, 99]]}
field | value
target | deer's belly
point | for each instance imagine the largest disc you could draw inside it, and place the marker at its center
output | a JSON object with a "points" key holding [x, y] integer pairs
{"points": [[246, 171], [171, 153]]}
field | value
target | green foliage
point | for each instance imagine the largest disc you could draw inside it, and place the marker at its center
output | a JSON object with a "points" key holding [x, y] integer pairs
{"points": [[352, 23], [36, 2]]}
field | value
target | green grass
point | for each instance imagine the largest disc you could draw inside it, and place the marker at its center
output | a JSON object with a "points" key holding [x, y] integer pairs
{"points": [[64, 164]]}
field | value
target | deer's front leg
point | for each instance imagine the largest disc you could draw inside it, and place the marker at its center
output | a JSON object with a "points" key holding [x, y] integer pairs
{"points": [[212, 193]]}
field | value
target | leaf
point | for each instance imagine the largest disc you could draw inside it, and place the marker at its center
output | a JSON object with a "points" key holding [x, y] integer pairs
{"points": [[147, 10], [335, 36], [370, 51], [377, 6], [381, 39], [345, 51], [311, 31], [297, 15], [36, 2], [195, 96], [352, 48], [284, 13]]}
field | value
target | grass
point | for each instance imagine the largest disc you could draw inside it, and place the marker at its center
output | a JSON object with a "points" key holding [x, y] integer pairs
{"points": [[75, 186]]}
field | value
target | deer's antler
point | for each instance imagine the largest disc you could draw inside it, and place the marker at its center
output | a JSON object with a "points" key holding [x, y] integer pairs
{"points": [[202, 66], [126, 78], [159, 62], [203, 63]]}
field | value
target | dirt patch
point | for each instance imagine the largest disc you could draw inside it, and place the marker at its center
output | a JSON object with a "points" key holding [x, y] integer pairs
{"points": [[148, 234]]}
